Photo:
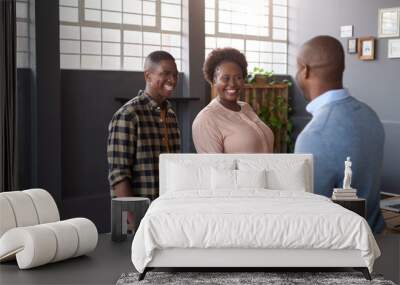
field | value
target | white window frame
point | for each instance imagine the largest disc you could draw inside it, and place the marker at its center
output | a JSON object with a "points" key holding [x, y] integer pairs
{"points": [[23, 50], [282, 54], [175, 48]]}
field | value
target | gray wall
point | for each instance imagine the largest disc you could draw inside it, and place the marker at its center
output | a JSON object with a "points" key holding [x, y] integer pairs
{"points": [[374, 82]]}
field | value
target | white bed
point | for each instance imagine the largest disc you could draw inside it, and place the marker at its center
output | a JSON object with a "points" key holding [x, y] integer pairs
{"points": [[247, 211]]}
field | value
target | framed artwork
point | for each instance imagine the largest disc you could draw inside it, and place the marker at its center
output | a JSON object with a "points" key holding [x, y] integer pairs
{"points": [[346, 31], [352, 45], [366, 48], [389, 22], [394, 48]]}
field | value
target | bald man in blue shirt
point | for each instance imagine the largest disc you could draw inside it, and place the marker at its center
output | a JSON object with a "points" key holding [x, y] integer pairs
{"points": [[341, 126]]}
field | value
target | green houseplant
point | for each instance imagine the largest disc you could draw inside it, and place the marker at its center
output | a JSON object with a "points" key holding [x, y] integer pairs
{"points": [[272, 114], [259, 76]]}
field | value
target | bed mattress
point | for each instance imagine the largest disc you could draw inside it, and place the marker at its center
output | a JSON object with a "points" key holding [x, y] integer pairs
{"points": [[251, 219]]}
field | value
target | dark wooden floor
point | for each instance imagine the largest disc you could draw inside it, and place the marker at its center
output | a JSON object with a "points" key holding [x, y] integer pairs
{"points": [[103, 266], [110, 260]]}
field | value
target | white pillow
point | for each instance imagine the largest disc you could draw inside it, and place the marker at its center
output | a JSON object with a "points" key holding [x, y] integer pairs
{"points": [[193, 175], [223, 179], [226, 179], [290, 181], [291, 175], [183, 177], [251, 178]]}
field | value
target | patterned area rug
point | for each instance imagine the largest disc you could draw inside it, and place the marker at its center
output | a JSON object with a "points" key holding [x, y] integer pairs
{"points": [[229, 278]]}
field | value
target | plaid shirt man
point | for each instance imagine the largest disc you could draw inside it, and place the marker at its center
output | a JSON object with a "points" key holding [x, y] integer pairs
{"points": [[138, 133]]}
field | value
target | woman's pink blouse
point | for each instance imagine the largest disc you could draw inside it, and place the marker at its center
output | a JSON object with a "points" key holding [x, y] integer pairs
{"points": [[217, 129]]}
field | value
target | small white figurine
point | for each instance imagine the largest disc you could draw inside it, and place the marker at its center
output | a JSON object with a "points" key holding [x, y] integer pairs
{"points": [[347, 174]]}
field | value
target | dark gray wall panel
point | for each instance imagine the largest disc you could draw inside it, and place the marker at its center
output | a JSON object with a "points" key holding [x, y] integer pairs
{"points": [[88, 104], [391, 167], [23, 128], [47, 100]]}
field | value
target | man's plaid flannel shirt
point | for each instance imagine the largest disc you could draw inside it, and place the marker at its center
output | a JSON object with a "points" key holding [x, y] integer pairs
{"points": [[135, 141]]}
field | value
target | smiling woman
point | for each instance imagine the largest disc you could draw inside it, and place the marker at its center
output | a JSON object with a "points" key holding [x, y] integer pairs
{"points": [[228, 125]]}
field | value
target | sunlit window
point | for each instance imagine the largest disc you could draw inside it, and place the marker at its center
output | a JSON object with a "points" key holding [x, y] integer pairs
{"points": [[258, 28], [117, 34], [23, 39]]}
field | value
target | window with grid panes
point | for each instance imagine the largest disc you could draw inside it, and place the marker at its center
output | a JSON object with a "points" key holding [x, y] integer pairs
{"points": [[23, 38], [118, 34], [258, 28]]}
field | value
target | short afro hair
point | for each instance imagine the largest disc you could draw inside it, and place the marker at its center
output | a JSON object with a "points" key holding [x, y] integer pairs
{"points": [[155, 57], [219, 55]]}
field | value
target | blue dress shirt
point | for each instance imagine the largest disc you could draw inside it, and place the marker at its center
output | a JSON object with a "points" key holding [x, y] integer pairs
{"points": [[343, 126]]}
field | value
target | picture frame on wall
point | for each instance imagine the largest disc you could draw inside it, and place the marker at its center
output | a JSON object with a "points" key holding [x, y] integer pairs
{"points": [[366, 48], [352, 45], [389, 22], [394, 48]]}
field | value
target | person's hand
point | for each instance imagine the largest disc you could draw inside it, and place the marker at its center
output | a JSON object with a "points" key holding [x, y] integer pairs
{"points": [[131, 221]]}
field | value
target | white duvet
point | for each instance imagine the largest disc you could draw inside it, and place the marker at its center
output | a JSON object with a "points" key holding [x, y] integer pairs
{"points": [[252, 218]]}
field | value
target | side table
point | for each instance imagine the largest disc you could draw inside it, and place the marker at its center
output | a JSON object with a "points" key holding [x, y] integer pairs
{"points": [[358, 205], [119, 208]]}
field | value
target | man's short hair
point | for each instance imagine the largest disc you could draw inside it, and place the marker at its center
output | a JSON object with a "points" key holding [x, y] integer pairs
{"points": [[155, 57]]}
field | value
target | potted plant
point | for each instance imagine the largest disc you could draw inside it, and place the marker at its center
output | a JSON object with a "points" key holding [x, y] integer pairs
{"points": [[259, 76], [272, 114]]}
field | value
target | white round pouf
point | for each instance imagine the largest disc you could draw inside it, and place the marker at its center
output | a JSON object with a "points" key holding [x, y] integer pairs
{"points": [[32, 246], [87, 235], [67, 240], [7, 218], [23, 208], [46, 207], [31, 233]]}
